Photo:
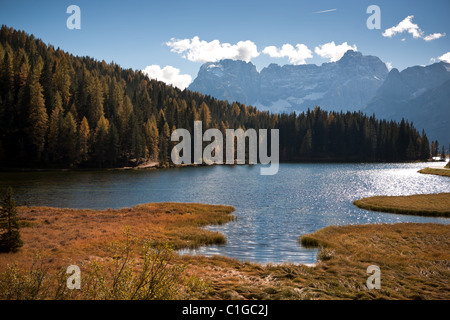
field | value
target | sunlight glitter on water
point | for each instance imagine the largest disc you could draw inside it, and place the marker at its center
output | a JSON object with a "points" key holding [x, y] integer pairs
{"points": [[273, 211]]}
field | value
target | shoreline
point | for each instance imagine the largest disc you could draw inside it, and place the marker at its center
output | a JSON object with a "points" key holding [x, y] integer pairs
{"points": [[83, 237], [157, 167]]}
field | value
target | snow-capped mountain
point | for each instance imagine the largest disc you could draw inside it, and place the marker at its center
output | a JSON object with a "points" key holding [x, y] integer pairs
{"points": [[356, 83], [347, 84]]}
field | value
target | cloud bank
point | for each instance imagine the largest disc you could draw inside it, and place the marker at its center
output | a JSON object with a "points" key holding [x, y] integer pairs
{"points": [[202, 51], [297, 55], [332, 51], [197, 50], [169, 75]]}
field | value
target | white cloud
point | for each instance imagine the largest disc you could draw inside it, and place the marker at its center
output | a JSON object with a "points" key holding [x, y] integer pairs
{"points": [[389, 65], [332, 51], [296, 55], [169, 75], [434, 36], [202, 51], [406, 25], [445, 57]]}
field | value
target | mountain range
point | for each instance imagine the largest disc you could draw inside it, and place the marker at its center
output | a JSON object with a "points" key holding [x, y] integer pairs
{"points": [[356, 82]]}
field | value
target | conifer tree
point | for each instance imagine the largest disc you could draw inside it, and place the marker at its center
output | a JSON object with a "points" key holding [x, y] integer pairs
{"points": [[69, 139], [152, 138], [424, 147], [38, 118], [85, 134], [164, 144], [10, 239], [113, 145], [55, 125], [101, 140], [61, 80], [95, 100], [205, 115], [7, 73]]}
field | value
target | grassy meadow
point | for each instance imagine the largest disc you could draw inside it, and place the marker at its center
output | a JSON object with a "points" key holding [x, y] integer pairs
{"points": [[436, 205]]}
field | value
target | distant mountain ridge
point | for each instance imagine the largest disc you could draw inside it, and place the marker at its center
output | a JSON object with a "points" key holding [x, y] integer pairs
{"points": [[232, 80], [356, 82], [419, 94], [350, 82]]}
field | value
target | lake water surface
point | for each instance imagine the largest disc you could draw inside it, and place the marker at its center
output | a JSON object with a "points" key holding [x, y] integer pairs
{"points": [[272, 211]]}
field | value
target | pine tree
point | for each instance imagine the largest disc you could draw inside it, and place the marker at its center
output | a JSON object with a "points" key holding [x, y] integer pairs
{"points": [[152, 138], [205, 115], [85, 134], [113, 145], [95, 100], [433, 149], [164, 144], [124, 113], [7, 73], [55, 125], [69, 139], [38, 118], [306, 144], [101, 140], [10, 239], [436, 148], [61, 80], [424, 147]]}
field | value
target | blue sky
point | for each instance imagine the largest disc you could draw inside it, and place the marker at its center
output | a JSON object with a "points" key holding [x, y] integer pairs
{"points": [[135, 34]]}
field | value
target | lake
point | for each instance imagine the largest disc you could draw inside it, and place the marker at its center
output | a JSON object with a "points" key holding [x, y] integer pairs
{"points": [[273, 211]]}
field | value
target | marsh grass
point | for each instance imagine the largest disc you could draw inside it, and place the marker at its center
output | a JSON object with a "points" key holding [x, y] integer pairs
{"points": [[152, 275], [437, 205], [138, 264], [70, 233], [414, 259]]}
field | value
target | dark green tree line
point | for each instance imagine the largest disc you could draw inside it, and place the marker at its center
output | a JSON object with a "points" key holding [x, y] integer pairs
{"points": [[58, 110]]}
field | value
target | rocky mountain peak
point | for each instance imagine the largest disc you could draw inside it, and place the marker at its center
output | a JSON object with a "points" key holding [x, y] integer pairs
{"points": [[346, 84]]}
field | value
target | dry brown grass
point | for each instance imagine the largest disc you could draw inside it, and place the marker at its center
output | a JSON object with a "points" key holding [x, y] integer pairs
{"points": [[419, 204], [79, 235], [414, 261], [414, 258], [436, 171]]}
